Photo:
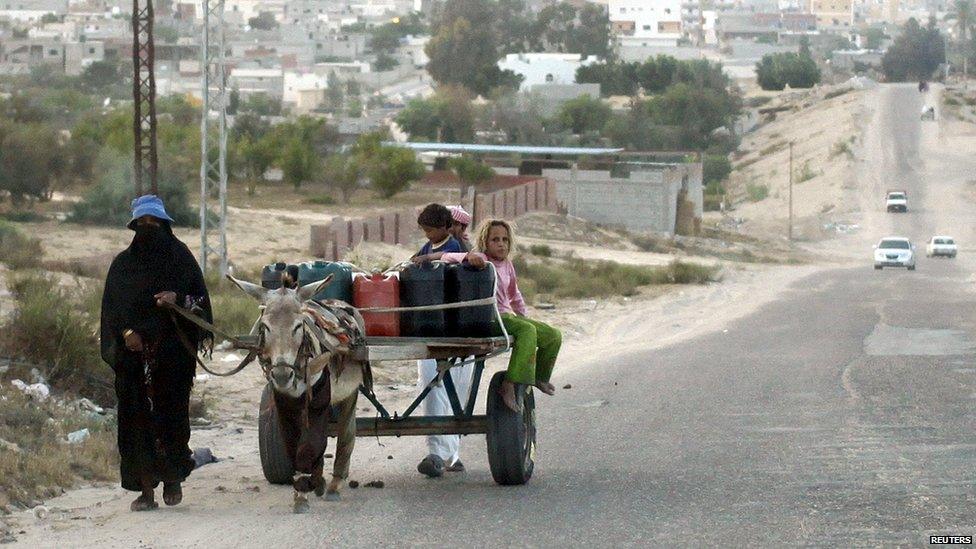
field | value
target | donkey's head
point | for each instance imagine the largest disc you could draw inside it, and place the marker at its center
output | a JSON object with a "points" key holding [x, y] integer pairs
{"points": [[283, 332]]}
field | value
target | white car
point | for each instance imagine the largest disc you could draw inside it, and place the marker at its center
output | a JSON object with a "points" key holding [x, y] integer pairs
{"points": [[896, 201], [894, 251], [941, 245]]}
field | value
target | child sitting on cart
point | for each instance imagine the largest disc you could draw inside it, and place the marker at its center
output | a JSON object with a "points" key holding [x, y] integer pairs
{"points": [[536, 343]]}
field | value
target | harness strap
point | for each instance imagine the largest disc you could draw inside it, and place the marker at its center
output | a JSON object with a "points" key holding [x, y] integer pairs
{"points": [[251, 355]]}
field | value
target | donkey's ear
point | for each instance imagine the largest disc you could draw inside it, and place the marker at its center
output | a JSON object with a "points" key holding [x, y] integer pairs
{"points": [[308, 291], [253, 290]]}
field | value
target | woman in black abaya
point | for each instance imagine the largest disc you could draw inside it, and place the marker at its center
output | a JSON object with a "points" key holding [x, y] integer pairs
{"points": [[153, 368]]}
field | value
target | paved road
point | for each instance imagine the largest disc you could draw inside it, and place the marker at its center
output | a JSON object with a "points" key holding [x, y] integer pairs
{"points": [[841, 414]]}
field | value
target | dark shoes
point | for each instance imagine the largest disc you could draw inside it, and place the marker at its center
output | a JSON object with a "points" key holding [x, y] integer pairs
{"points": [[143, 503], [172, 493], [458, 467], [432, 466]]}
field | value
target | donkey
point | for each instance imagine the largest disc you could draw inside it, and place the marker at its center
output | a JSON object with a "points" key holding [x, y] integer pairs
{"points": [[304, 352]]}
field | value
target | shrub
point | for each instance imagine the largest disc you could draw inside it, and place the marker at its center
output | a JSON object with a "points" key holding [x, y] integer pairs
{"points": [[55, 328], [841, 147], [806, 173], [715, 168], [540, 250], [321, 200], [234, 312], [108, 201], [682, 272], [46, 464], [837, 93], [23, 216], [651, 243], [757, 191], [577, 278], [17, 250]]}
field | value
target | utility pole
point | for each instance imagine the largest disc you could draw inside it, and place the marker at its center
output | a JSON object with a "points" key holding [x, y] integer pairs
{"points": [[213, 171], [791, 193], [144, 98]]}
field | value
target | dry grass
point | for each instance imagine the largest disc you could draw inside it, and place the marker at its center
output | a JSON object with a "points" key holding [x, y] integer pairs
{"points": [[17, 250], [46, 463]]}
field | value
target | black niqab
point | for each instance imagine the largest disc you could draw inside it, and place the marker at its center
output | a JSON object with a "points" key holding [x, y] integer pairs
{"points": [[154, 429]]}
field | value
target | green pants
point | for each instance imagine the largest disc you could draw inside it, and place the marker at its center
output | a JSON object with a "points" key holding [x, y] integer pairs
{"points": [[534, 351]]}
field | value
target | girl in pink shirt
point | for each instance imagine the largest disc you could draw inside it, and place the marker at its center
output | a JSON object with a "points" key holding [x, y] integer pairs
{"points": [[536, 343]]}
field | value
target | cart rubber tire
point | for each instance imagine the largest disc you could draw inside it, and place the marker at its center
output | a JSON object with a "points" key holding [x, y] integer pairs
{"points": [[511, 435], [278, 469]]}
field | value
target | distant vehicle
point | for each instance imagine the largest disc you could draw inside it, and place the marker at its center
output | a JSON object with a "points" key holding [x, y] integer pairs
{"points": [[896, 201], [894, 251], [941, 246], [928, 112], [923, 86]]}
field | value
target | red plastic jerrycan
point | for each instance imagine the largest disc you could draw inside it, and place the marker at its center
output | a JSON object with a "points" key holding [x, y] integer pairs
{"points": [[378, 290]]}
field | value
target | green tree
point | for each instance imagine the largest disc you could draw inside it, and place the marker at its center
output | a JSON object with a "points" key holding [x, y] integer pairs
{"points": [[264, 21], [101, 76], [613, 78], [256, 156], [32, 161], [873, 38], [464, 48], [385, 62], [299, 163], [470, 171], [343, 173], [584, 114], [915, 54], [385, 38], [447, 116], [391, 170], [776, 71], [334, 93]]}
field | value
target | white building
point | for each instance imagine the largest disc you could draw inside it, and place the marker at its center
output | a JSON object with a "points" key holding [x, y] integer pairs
{"points": [[545, 68], [304, 91], [257, 81], [644, 23], [31, 11]]}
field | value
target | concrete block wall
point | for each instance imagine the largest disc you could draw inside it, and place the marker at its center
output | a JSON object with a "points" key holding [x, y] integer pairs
{"points": [[646, 201], [332, 240]]}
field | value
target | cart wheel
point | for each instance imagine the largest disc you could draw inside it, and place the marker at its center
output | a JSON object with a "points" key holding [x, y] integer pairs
{"points": [[511, 435], [277, 468]]}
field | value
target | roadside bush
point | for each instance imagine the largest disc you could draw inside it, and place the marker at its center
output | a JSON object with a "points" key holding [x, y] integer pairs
{"points": [[806, 173], [683, 272], [17, 250], [651, 243], [540, 250], [841, 147], [45, 464], [715, 168], [234, 312], [577, 278], [23, 216], [55, 328], [321, 200], [757, 191], [108, 202]]}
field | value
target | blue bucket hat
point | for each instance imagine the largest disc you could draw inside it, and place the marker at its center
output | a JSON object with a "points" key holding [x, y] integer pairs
{"points": [[148, 204]]}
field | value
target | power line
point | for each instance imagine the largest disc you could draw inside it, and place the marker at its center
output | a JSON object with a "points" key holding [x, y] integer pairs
{"points": [[213, 148]]}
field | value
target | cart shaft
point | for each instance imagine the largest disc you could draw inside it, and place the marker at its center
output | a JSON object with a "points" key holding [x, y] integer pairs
{"points": [[416, 426]]}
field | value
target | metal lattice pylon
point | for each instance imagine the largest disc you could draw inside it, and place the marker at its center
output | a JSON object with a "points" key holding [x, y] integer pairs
{"points": [[144, 97], [213, 168]]}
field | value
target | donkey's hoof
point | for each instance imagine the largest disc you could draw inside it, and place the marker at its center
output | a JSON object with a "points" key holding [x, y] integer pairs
{"points": [[333, 496], [301, 507]]}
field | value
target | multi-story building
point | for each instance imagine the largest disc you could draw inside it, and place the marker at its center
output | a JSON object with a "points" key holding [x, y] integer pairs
{"points": [[833, 13], [644, 23]]}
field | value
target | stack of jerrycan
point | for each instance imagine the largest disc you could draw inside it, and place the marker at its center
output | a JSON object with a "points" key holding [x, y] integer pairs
{"points": [[465, 283], [341, 286], [378, 290], [271, 274], [422, 285]]}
